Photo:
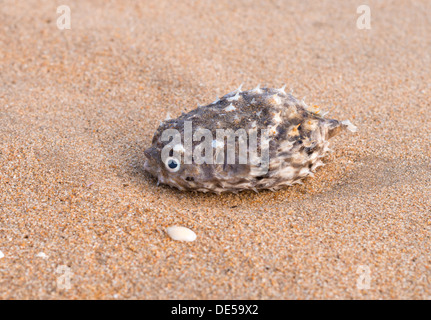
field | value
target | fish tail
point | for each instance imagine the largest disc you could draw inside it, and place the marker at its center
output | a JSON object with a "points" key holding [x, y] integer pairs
{"points": [[349, 126]]}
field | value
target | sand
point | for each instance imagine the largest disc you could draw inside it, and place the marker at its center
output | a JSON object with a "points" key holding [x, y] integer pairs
{"points": [[79, 106]]}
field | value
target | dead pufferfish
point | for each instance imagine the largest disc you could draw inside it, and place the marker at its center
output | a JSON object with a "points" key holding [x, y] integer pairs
{"points": [[296, 137]]}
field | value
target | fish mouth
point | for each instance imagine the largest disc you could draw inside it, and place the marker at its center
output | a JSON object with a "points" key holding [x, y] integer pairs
{"points": [[151, 153], [151, 168], [147, 166], [150, 164]]}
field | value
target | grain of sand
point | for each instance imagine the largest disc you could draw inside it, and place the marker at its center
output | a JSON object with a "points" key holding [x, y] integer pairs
{"points": [[79, 106]]}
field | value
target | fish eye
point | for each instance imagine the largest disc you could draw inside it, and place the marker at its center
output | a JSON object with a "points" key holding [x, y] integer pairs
{"points": [[172, 164]]}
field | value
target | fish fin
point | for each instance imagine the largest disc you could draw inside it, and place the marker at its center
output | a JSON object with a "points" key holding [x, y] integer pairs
{"points": [[350, 126]]}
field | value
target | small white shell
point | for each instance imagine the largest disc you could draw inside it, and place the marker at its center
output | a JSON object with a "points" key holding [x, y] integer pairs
{"points": [[1, 255], [181, 233]]}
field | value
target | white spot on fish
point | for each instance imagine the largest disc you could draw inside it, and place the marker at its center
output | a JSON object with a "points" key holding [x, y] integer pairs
{"points": [[230, 94], [281, 90], [231, 107], [313, 109], [239, 88], [277, 118], [275, 99], [235, 97], [257, 89]]}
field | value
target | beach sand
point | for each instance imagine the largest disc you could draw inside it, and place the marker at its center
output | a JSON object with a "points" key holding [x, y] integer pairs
{"points": [[79, 106]]}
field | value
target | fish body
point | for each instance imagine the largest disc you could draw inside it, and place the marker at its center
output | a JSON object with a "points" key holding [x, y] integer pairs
{"points": [[258, 139]]}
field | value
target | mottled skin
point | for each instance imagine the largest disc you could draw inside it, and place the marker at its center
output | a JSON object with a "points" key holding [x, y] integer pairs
{"points": [[298, 138]]}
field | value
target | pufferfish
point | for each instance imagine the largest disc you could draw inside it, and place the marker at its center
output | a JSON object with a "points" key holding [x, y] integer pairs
{"points": [[262, 121]]}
